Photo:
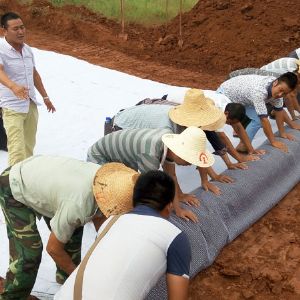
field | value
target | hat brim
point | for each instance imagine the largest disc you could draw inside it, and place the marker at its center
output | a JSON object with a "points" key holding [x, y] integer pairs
{"points": [[194, 117], [113, 188], [202, 159], [215, 126]]}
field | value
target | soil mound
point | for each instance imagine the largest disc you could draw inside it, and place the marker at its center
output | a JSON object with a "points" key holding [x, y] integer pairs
{"points": [[225, 35], [219, 35]]}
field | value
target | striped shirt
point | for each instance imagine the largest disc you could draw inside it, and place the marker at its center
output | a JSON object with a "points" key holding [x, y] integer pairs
{"points": [[19, 68], [139, 149], [282, 65], [147, 116], [251, 90]]}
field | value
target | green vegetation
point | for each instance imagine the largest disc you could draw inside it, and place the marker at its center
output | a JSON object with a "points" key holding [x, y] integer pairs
{"points": [[139, 11]]}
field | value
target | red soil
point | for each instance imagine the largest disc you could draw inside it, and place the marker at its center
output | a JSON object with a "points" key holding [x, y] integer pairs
{"points": [[219, 36]]}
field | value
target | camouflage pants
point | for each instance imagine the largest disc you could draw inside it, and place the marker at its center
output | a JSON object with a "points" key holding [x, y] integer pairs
{"points": [[25, 245]]}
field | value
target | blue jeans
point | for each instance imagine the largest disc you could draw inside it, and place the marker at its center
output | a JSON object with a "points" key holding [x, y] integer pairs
{"points": [[255, 123]]}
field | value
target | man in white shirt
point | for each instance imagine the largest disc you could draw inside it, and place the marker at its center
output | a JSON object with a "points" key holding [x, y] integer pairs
{"points": [[18, 78], [139, 248], [254, 92]]}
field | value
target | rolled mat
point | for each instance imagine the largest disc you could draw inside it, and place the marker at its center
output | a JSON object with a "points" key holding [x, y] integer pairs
{"points": [[223, 218]]}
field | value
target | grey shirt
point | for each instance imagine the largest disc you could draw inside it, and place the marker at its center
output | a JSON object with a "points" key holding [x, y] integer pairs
{"points": [[139, 149]]}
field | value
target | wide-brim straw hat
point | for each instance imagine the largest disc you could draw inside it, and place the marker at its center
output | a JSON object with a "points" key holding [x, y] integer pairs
{"points": [[190, 145], [215, 126], [196, 110], [113, 188]]}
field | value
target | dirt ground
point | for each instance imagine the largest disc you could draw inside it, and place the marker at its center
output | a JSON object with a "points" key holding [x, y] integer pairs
{"points": [[219, 36]]}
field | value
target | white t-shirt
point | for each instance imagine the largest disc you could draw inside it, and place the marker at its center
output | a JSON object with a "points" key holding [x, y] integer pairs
{"points": [[129, 260]]}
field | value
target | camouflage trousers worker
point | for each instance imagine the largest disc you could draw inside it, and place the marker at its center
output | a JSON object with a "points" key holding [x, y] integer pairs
{"points": [[25, 245]]}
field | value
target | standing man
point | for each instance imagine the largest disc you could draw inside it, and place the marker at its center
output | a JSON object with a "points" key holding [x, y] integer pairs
{"points": [[254, 92], [18, 78], [65, 192]]}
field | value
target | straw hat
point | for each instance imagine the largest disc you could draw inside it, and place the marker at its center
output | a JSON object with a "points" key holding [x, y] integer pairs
{"points": [[215, 126], [196, 110], [190, 145], [113, 188]]}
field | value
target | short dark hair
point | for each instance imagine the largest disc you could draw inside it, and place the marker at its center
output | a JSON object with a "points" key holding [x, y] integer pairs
{"points": [[290, 79], [236, 111], [155, 189], [7, 17]]}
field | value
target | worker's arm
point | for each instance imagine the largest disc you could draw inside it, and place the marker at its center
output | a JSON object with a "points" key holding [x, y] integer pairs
{"points": [[40, 87], [56, 250], [178, 287], [19, 91]]}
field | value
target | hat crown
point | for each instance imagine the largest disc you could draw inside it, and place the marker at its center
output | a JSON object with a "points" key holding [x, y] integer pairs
{"points": [[194, 138], [195, 99]]}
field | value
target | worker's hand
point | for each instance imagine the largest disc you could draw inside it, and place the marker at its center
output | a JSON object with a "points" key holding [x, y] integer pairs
{"points": [[223, 178], [20, 91], [295, 126], [279, 145], [208, 186], [189, 199], [288, 136], [249, 157], [50, 106], [236, 166], [186, 214], [258, 152]]}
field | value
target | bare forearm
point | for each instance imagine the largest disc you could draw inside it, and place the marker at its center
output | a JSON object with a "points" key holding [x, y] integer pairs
{"points": [[230, 149], [267, 129], [242, 134], [280, 121], [64, 261], [5, 80], [287, 119], [178, 287], [203, 172], [55, 248], [170, 170], [39, 84]]}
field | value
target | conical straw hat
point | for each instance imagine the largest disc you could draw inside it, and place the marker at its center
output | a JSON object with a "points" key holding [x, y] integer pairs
{"points": [[196, 110], [190, 145], [113, 188]]}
